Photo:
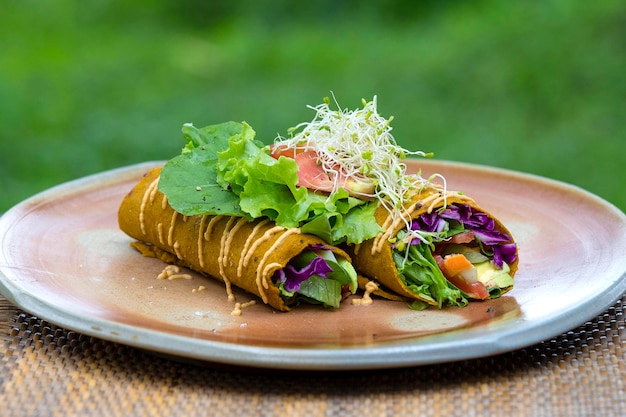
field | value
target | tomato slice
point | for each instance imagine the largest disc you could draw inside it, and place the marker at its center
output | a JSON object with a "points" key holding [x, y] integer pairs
{"points": [[278, 150], [476, 290], [311, 174], [464, 237], [457, 270]]}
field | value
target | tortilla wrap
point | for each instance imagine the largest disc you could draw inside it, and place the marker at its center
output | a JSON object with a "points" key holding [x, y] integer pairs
{"points": [[373, 258], [234, 250]]}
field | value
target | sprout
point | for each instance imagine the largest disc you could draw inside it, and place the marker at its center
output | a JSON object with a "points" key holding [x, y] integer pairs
{"points": [[358, 146]]}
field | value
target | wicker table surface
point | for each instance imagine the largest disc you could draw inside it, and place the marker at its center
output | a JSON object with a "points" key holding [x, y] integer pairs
{"points": [[46, 370]]}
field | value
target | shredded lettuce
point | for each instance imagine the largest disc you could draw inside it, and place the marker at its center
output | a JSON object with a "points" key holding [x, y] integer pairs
{"points": [[420, 273], [190, 180], [223, 170], [316, 276], [418, 268]]}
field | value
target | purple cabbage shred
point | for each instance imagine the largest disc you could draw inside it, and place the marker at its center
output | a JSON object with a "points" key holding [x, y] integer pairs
{"points": [[292, 277], [498, 243]]}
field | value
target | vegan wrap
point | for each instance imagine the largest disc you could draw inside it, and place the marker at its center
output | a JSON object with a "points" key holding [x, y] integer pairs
{"points": [[443, 249], [280, 265], [341, 179], [433, 245]]}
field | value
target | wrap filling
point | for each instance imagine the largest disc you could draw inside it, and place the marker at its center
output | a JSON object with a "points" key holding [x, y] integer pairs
{"points": [[316, 276], [453, 255]]}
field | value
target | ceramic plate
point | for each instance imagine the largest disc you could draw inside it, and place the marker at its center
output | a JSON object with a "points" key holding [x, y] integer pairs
{"points": [[63, 258]]}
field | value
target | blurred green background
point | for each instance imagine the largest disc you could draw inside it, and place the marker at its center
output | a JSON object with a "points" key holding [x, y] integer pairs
{"points": [[534, 86]]}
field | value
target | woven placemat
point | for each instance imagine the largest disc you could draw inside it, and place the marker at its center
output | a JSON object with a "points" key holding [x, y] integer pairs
{"points": [[50, 371]]}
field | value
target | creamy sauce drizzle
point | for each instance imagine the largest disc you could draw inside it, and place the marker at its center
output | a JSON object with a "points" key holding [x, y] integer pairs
{"points": [[160, 233], [201, 242], [176, 247], [170, 231], [231, 235], [154, 189], [266, 236], [261, 278], [221, 257], [240, 306], [268, 268], [247, 244], [172, 272], [433, 201], [144, 202], [209, 228], [205, 235], [390, 225], [370, 287], [200, 288]]}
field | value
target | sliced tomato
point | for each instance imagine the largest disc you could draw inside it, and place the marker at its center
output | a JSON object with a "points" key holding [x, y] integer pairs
{"points": [[476, 290], [311, 174], [464, 237], [462, 274], [278, 150]]}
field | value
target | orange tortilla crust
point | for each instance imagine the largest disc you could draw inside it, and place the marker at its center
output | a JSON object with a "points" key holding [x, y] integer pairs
{"points": [[234, 250], [373, 258]]}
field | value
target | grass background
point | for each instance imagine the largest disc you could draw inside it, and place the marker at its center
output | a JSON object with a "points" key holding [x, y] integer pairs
{"points": [[534, 86]]}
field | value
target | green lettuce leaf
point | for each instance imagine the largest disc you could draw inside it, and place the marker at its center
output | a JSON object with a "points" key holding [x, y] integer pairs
{"points": [[420, 273], [223, 170], [267, 187], [323, 290], [357, 225], [212, 136], [316, 289], [190, 180]]}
